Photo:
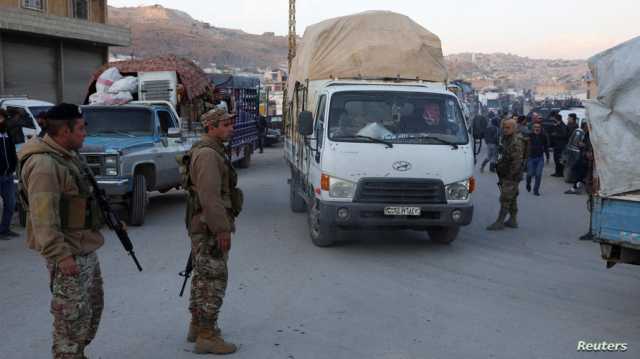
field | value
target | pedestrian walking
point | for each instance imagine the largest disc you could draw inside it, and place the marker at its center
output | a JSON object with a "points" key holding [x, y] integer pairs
{"points": [[538, 149], [62, 225], [491, 136], [583, 168], [8, 160], [213, 203], [509, 169], [262, 132], [559, 138]]}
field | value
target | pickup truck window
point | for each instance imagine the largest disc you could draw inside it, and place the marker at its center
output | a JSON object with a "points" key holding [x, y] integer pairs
{"points": [[397, 117], [118, 122], [166, 122]]}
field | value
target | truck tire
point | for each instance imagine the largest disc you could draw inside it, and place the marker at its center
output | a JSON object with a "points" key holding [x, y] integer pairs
{"points": [[245, 162], [296, 202], [138, 201], [443, 235], [322, 234]]}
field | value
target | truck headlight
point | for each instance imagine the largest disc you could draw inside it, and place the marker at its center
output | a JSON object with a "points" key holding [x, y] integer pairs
{"points": [[459, 191], [111, 165], [339, 188]]}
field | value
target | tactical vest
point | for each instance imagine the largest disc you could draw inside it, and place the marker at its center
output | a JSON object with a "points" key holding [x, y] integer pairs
{"points": [[77, 211], [503, 167], [194, 206]]}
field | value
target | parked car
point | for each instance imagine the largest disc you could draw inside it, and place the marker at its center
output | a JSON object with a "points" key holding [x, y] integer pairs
{"points": [[274, 130], [22, 112]]}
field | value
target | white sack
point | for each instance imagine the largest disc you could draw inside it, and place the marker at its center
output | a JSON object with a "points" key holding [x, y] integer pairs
{"points": [[120, 98], [127, 84], [614, 117], [106, 79]]}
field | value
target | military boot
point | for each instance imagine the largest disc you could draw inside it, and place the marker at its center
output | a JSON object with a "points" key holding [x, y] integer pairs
{"points": [[498, 225], [512, 222], [209, 342], [192, 335]]}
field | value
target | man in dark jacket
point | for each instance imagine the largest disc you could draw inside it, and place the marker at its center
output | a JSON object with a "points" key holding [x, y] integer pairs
{"points": [[8, 160], [537, 147], [559, 138]]}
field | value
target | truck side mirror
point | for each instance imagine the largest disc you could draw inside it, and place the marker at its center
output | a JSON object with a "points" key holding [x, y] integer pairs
{"points": [[174, 132], [305, 123]]}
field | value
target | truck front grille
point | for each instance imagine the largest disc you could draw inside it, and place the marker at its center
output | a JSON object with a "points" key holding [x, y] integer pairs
{"points": [[401, 190]]}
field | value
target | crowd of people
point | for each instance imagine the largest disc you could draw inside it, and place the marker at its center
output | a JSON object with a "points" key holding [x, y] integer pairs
{"points": [[569, 143]]}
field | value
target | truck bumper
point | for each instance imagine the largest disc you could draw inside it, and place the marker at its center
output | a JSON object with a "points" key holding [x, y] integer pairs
{"points": [[371, 215], [115, 186]]}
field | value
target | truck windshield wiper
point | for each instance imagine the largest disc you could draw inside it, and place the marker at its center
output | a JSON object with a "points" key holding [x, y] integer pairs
{"points": [[427, 137], [372, 139]]}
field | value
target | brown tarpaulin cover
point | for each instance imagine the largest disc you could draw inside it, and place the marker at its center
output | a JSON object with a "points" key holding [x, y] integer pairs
{"points": [[372, 44]]}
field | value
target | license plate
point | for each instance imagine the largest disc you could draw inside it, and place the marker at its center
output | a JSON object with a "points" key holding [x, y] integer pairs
{"points": [[402, 211]]}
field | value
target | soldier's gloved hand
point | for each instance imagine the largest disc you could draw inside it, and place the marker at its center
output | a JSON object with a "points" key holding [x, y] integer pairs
{"points": [[68, 266], [224, 241]]}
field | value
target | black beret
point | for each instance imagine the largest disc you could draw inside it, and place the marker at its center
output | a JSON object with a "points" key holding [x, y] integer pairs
{"points": [[64, 111]]}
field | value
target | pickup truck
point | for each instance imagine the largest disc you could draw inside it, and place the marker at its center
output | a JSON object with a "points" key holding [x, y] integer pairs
{"points": [[132, 150]]}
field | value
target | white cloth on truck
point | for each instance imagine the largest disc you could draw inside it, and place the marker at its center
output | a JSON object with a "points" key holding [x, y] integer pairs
{"points": [[106, 79], [120, 98], [614, 117], [372, 44], [126, 84]]}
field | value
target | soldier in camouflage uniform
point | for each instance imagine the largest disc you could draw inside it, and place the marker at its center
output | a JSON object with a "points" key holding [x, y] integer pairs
{"points": [[212, 205], [62, 225], [509, 169]]}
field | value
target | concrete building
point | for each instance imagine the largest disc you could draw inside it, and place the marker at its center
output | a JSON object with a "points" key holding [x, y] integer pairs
{"points": [[50, 48]]}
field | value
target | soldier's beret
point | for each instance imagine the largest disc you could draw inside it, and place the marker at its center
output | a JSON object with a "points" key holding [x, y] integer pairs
{"points": [[214, 117], [63, 111]]}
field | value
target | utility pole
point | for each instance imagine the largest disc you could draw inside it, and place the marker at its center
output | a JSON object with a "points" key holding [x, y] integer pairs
{"points": [[292, 53]]}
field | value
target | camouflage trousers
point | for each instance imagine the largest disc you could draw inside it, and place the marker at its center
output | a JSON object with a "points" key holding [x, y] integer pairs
{"points": [[509, 196], [209, 281], [76, 307]]}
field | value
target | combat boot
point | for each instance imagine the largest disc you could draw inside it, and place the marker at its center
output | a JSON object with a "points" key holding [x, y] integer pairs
{"points": [[512, 222], [498, 225], [209, 342], [192, 335]]}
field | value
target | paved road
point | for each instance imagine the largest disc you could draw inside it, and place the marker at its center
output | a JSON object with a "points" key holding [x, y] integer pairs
{"points": [[527, 293]]}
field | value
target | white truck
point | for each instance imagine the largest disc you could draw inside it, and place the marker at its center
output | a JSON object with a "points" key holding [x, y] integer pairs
{"points": [[379, 143]]}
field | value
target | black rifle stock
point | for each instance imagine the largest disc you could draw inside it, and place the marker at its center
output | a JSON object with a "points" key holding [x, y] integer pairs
{"points": [[186, 273], [110, 217]]}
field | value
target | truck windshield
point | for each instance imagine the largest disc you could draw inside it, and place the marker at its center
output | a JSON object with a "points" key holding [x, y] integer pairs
{"points": [[118, 122], [397, 117]]}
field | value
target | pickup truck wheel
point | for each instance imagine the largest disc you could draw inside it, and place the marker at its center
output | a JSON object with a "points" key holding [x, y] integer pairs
{"points": [[245, 162], [138, 201], [322, 234], [296, 202], [443, 235]]}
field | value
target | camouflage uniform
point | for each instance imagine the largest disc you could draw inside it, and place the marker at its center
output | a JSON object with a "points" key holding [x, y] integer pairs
{"points": [[210, 210], [509, 169], [63, 221]]}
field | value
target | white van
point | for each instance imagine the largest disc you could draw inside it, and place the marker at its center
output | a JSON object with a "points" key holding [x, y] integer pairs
{"points": [[23, 111], [381, 154]]}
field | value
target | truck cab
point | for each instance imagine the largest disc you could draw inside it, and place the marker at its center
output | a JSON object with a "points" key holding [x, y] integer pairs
{"points": [[131, 150], [382, 155]]}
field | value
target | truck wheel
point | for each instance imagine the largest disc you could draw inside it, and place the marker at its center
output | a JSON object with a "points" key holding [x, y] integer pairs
{"points": [[322, 234], [138, 202], [443, 235], [245, 162], [296, 202]]}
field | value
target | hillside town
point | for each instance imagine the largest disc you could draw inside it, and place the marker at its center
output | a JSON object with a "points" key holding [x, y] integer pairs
{"points": [[172, 188]]}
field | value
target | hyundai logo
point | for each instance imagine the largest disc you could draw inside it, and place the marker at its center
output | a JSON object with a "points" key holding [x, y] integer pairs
{"points": [[401, 166]]}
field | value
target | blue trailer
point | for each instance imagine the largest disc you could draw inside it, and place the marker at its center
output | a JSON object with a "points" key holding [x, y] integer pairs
{"points": [[615, 224]]}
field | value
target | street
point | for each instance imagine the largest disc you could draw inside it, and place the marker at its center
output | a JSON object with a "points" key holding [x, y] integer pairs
{"points": [[532, 292]]}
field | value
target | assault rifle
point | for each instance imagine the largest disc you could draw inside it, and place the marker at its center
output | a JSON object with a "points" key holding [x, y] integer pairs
{"points": [[186, 273], [110, 216]]}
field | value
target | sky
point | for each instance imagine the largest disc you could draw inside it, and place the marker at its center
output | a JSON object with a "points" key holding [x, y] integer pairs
{"points": [[567, 29]]}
